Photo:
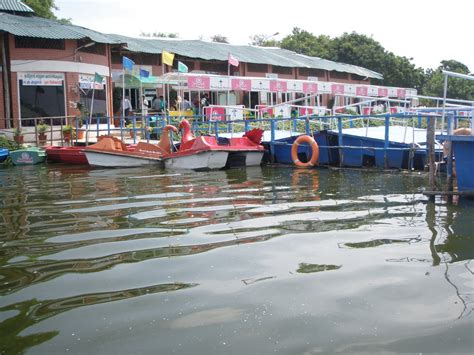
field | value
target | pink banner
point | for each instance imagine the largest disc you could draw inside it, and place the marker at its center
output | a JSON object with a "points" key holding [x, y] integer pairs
{"points": [[310, 88], [215, 113], [241, 84], [278, 86], [199, 83], [401, 93], [362, 91], [337, 88], [382, 92], [306, 111]]}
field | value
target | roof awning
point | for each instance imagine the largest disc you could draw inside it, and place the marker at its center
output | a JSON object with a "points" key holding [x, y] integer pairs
{"points": [[135, 81]]}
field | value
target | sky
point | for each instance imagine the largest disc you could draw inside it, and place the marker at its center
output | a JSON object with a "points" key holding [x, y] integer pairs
{"points": [[427, 31]]}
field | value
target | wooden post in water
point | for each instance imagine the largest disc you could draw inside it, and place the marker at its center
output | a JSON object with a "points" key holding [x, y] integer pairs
{"points": [[430, 140], [449, 155]]}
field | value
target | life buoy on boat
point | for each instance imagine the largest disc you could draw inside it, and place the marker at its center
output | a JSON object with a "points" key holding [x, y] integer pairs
{"points": [[314, 151]]}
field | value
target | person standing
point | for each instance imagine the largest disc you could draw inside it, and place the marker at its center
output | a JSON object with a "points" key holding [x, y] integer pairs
{"points": [[126, 106], [145, 106]]}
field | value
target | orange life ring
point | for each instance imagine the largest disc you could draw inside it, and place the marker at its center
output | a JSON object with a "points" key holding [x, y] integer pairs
{"points": [[314, 147]]}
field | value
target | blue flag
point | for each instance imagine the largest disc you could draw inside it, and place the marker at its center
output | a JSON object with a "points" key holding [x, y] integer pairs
{"points": [[127, 63], [144, 73]]}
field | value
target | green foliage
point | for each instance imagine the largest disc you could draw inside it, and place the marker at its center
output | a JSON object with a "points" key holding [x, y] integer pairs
{"points": [[159, 34], [17, 131], [8, 144], [42, 128], [364, 51], [303, 42], [264, 41], [44, 8], [219, 39], [457, 88]]}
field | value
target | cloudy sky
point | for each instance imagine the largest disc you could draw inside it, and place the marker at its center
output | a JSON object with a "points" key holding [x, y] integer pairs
{"points": [[427, 31]]}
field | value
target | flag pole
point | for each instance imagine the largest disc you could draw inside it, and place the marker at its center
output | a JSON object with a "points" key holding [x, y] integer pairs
{"points": [[122, 120], [228, 80], [90, 113]]}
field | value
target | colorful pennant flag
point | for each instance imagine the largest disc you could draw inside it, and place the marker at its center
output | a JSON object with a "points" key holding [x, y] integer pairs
{"points": [[233, 61], [167, 57], [98, 78], [144, 73], [127, 63], [182, 68]]}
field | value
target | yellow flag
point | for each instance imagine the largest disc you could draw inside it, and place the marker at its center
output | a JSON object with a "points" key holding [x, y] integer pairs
{"points": [[167, 57]]}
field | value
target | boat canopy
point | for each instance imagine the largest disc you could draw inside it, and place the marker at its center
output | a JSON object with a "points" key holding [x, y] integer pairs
{"points": [[135, 81]]}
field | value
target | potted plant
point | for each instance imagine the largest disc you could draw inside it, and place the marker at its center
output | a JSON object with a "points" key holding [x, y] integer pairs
{"points": [[68, 133], [18, 135], [77, 125], [42, 128]]}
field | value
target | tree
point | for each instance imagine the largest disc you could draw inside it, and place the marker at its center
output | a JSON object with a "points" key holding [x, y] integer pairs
{"points": [[160, 34], [219, 39], [264, 41], [303, 42], [44, 8], [457, 88]]}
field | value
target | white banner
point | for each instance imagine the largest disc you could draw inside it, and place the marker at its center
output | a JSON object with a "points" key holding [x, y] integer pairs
{"points": [[87, 82], [219, 83], [294, 86], [41, 79], [260, 84]]}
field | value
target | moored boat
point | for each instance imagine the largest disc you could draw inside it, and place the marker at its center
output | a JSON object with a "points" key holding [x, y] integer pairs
{"points": [[28, 156], [111, 152], [209, 152], [463, 147], [4, 153], [70, 155]]}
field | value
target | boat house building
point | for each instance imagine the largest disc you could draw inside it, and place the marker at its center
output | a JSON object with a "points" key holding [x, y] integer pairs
{"points": [[48, 67]]}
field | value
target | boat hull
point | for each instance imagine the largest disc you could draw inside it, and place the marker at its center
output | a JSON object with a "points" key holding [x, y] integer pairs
{"points": [[242, 158], [204, 160], [70, 155], [4, 154], [463, 146], [120, 160], [29, 156]]}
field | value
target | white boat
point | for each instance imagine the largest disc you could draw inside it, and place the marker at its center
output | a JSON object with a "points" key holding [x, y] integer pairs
{"points": [[121, 159], [209, 152], [111, 152], [203, 160]]}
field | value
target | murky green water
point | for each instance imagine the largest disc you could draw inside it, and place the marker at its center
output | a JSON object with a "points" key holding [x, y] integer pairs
{"points": [[250, 261]]}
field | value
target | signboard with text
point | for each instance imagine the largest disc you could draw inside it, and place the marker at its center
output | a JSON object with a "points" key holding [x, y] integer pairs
{"points": [[41, 79]]}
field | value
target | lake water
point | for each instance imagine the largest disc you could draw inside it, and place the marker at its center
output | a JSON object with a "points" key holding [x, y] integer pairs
{"points": [[248, 261]]}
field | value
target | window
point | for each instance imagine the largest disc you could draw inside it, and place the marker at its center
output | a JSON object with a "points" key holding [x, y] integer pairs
{"points": [[214, 67], [338, 75], [312, 72], [257, 68], [100, 102], [41, 101], [281, 70], [97, 48], [43, 43]]}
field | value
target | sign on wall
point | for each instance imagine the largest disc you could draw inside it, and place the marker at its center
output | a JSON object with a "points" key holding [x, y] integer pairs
{"points": [[87, 82], [41, 79]]}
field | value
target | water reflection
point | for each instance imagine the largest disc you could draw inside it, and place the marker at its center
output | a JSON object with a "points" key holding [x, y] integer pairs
{"points": [[30, 312], [239, 242]]}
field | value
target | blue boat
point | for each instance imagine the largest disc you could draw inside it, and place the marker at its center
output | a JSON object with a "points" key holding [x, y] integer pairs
{"points": [[361, 147], [463, 149], [4, 153]]}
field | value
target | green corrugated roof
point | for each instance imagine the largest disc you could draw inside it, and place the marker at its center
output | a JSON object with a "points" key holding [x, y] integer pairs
{"points": [[14, 6], [248, 54], [51, 29]]}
